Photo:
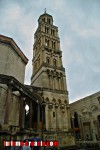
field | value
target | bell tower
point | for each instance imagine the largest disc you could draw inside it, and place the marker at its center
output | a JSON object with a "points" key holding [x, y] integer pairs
{"points": [[49, 74], [47, 56]]}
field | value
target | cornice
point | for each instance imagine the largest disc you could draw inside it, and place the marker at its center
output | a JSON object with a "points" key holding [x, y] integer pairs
{"points": [[12, 43]]}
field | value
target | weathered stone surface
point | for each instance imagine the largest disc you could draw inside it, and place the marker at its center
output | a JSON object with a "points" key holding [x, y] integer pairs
{"points": [[88, 110]]}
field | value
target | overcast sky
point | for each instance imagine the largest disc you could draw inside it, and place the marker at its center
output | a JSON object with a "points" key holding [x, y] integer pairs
{"points": [[78, 22]]}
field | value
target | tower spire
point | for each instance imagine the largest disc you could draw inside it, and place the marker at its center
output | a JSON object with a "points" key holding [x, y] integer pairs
{"points": [[45, 10]]}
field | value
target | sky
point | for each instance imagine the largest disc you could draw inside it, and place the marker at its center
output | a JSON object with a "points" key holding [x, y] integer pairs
{"points": [[78, 22]]}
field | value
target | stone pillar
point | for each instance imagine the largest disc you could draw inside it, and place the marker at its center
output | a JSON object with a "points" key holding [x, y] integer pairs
{"points": [[62, 116], [64, 83], [7, 119], [50, 106], [68, 116], [81, 127], [59, 83], [21, 113], [30, 114], [59, 117], [38, 117], [58, 45], [60, 58], [49, 76], [56, 107], [54, 79], [92, 126], [79, 123], [47, 116], [73, 125], [43, 115]]}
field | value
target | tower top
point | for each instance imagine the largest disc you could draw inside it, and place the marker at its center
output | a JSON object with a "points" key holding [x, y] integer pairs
{"points": [[44, 17], [45, 10]]}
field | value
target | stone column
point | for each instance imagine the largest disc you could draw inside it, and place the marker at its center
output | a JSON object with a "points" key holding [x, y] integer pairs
{"points": [[54, 79], [30, 114], [59, 117], [68, 116], [43, 115], [92, 126], [49, 76], [60, 59], [56, 107], [59, 83], [73, 125], [58, 45], [38, 117], [81, 126], [21, 113], [8, 106], [64, 83], [46, 115], [62, 116], [80, 129], [43, 56], [50, 106]]}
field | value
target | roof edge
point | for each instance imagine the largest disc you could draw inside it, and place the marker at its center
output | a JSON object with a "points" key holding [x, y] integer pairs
{"points": [[10, 41]]}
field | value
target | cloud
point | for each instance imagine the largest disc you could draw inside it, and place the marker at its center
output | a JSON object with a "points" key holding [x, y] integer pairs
{"points": [[89, 32], [79, 31]]}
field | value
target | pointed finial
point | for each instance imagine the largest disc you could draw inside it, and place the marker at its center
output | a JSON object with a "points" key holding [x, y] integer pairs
{"points": [[45, 10]]}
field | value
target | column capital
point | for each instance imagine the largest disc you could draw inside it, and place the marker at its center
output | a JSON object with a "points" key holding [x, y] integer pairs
{"points": [[43, 104], [68, 106], [57, 105], [62, 106], [50, 105]]}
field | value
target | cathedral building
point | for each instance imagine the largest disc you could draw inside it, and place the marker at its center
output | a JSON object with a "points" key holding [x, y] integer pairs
{"points": [[47, 96], [49, 74]]}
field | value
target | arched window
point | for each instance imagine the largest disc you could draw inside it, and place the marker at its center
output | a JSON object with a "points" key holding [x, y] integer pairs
{"points": [[46, 42], [53, 32], [53, 114], [76, 124], [55, 62], [49, 21], [46, 29], [53, 44], [47, 60], [44, 19]]}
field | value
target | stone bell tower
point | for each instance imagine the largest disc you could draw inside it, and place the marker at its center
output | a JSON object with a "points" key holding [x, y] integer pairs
{"points": [[49, 74]]}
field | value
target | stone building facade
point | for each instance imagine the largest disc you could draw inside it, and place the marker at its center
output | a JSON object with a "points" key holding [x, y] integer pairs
{"points": [[12, 63], [47, 96], [49, 74], [12, 59], [85, 115]]}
